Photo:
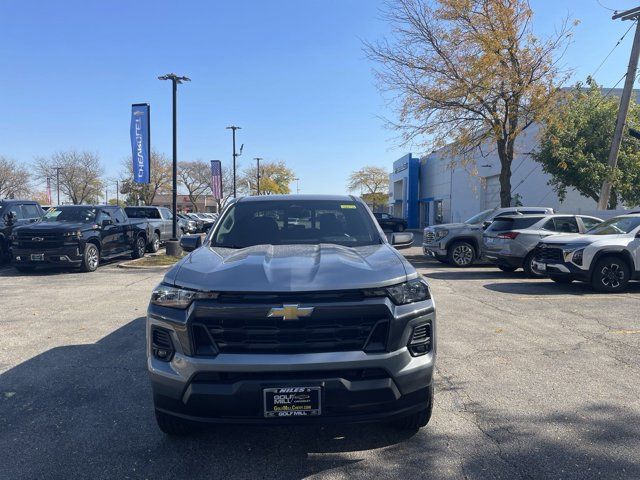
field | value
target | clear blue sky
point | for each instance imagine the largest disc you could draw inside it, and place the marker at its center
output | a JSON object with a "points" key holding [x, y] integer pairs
{"points": [[291, 73]]}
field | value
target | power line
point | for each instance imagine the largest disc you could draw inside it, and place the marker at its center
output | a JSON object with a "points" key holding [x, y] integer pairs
{"points": [[614, 47], [605, 7]]}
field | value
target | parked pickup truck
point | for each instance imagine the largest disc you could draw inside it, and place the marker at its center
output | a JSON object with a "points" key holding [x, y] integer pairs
{"points": [[272, 320], [78, 235], [14, 213], [161, 223], [607, 256], [460, 244]]}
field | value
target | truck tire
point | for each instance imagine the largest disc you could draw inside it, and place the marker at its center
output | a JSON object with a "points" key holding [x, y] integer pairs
{"points": [[399, 228], [174, 426], [611, 274], [416, 421], [154, 245], [90, 258], [139, 247], [527, 266], [461, 254]]}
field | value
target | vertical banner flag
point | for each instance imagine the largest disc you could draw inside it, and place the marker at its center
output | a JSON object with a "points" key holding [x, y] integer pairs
{"points": [[141, 142], [216, 179]]}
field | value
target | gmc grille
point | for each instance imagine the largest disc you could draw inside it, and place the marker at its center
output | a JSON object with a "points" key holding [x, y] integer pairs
{"points": [[429, 237], [229, 328]]}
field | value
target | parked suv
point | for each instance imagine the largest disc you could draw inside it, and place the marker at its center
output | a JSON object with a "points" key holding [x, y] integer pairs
{"points": [[274, 321], [608, 256], [509, 242], [393, 223], [14, 213], [460, 244]]}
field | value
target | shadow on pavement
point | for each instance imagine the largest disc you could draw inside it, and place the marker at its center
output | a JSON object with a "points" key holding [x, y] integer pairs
{"points": [[548, 287], [474, 274], [84, 411]]}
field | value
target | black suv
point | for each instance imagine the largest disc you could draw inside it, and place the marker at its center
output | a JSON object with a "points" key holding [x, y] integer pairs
{"points": [[14, 213], [387, 221], [80, 236]]}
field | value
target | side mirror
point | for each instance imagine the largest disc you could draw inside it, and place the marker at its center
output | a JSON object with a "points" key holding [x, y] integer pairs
{"points": [[189, 243], [486, 224], [402, 240]]}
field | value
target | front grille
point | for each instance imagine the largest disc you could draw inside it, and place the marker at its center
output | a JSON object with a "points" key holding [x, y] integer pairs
{"points": [[330, 328], [352, 375], [548, 254], [429, 237], [39, 240]]}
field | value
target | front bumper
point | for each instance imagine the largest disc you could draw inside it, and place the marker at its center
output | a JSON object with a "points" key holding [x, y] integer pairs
{"points": [[504, 260], [228, 388], [65, 255], [563, 269], [432, 250]]}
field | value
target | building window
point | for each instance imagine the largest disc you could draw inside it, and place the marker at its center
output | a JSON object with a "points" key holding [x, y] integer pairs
{"points": [[437, 210]]}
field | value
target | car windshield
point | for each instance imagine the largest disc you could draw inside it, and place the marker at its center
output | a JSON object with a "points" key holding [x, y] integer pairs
{"points": [[616, 226], [480, 217], [70, 214], [295, 222]]}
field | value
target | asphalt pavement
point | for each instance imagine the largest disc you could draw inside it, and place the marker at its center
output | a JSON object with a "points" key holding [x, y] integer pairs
{"points": [[534, 380]]}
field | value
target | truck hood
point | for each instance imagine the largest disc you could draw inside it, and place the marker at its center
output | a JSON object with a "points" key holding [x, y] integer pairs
{"points": [[290, 268], [54, 227], [455, 226]]}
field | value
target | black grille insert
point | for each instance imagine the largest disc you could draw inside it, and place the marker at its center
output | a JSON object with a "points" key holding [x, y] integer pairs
{"points": [[352, 375], [548, 254]]}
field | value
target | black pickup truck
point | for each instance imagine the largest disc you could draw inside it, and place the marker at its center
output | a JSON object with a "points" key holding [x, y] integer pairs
{"points": [[79, 236], [14, 213]]}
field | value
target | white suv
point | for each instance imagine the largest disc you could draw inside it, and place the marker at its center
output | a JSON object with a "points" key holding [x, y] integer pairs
{"points": [[607, 256]]}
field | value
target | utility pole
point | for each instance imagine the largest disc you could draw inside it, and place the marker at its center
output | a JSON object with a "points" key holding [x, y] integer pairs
{"points": [[117, 193], [257, 159], [233, 129], [58, 182], [106, 196], [605, 191], [175, 80]]}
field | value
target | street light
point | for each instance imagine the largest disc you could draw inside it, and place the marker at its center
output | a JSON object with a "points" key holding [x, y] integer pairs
{"points": [[175, 80], [257, 159], [297, 184], [233, 128]]}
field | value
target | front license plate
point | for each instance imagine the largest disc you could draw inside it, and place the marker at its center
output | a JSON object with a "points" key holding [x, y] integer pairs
{"points": [[540, 266], [292, 401], [37, 257]]}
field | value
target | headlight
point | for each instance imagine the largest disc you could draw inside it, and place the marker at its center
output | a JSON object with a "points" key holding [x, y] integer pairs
{"points": [[440, 234], [577, 256], [76, 233], [412, 291], [568, 253], [168, 296]]}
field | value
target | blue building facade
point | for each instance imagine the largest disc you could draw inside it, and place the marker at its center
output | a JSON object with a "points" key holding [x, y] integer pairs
{"points": [[405, 189]]}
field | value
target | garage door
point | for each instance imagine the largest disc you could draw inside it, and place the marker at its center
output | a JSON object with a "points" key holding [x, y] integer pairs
{"points": [[492, 192]]}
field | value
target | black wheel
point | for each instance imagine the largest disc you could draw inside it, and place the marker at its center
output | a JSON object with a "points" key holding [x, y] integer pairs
{"points": [[154, 245], [563, 280], [527, 266], [139, 247], [611, 274], [461, 254], [399, 228], [91, 258], [507, 268], [173, 425], [25, 268], [416, 421], [442, 259]]}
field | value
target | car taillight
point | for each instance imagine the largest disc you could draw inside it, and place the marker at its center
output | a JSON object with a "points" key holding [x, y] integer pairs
{"points": [[508, 235]]}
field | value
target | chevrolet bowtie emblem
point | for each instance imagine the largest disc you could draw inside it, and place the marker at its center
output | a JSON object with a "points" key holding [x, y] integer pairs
{"points": [[290, 312]]}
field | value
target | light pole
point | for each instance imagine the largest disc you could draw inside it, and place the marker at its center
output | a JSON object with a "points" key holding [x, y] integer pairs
{"points": [[117, 193], [257, 159], [58, 182], [233, 129], [297, 184], [175, 80]]}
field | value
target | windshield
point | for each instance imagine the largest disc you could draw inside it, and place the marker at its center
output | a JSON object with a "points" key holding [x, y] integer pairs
{"points": [[295, 222], [616, 226], [78, 214], [480, 217]]}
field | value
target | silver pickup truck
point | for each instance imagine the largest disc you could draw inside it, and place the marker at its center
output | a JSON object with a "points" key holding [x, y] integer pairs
{"points": [[294, 309], [160, 224], [460, 244]]}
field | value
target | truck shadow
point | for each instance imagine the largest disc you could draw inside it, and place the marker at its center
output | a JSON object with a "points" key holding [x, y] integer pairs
{"points": [[84, 411], [548, 287]]}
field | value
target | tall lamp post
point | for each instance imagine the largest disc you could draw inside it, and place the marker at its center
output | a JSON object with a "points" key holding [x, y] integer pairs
{"points": [[233, 129], [257, 159], [175, 80]]}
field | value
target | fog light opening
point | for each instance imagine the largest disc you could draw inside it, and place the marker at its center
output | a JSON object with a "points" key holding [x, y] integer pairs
{"points": [[420, 342]]}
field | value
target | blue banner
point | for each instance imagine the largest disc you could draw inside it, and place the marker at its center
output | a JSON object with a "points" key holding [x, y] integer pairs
{"points": [[141, 142]]}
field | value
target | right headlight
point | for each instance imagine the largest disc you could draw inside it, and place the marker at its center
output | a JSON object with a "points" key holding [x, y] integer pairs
{"points": [[176, 297]]}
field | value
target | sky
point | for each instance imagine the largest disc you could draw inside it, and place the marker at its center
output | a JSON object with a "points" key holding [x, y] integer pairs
{"points": [[291, 73]]}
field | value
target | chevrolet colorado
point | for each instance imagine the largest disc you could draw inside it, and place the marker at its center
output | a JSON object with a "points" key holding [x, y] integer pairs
{"points": [[294, 308]]}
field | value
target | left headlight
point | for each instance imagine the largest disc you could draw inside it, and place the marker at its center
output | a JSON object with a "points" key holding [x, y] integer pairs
{"points": [[175, 297], [412, 291], [440, 234], [75, 233]]}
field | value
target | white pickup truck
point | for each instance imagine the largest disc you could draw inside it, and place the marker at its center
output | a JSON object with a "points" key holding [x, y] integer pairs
{"points": [[607, 256]]}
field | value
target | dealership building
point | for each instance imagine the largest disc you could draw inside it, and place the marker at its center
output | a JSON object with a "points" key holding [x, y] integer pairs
{"points": [[441, 188]]}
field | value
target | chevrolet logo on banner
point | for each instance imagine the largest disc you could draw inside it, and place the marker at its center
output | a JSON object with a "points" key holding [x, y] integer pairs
{"points": [[290, 312]]}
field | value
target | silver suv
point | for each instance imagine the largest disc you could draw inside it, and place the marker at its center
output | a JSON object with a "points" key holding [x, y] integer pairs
{"points": [[509, 242], [460, 244], [295, 308], [608, 256]]}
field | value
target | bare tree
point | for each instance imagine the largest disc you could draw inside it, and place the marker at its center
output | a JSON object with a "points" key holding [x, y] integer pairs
{"points": [[14, 179], [195, 177], [466, 72], [160, 180], [80, 174]]}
